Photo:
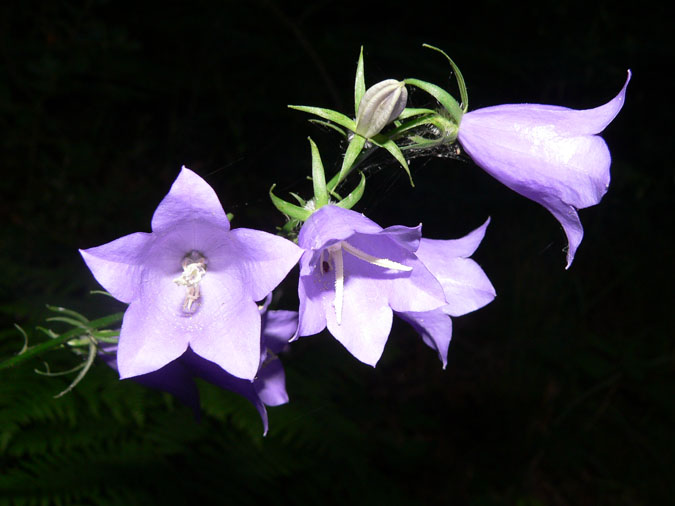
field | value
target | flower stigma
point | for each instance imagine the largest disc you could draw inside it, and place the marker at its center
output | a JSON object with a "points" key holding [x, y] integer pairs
{"points": [[336, 261], [194, 269]]}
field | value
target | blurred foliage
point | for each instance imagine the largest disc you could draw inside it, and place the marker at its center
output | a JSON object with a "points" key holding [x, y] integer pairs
{"points": [[559, 392]]}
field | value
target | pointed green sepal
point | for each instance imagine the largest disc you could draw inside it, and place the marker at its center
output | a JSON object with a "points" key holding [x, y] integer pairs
{"points": [[410, 112], [463, 95], [290, 210], [396, 152], [297, 197], [318, 177], [351, 200], [359, 83], [330, 125], [353, 150], [443, 97], [329, 114]]}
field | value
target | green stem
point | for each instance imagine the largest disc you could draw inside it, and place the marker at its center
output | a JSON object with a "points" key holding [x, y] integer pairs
{"points": [[58, 341]]}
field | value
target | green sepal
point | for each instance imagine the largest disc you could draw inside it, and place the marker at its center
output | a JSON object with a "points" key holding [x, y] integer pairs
{"points": [[409, 112], [230, 216], [414, 123], [318, 178], [353, 150], [443, 97], [352, 199], [359, 83], [329, 125], [463, 95], [290, 210], [297, 197], [395, 151], [334, 116]]}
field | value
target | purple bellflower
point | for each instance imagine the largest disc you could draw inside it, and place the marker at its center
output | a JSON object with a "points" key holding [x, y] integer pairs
{"points": [[354, 275], [464, 283], [191, 282], [547, 153], [267, 389]]}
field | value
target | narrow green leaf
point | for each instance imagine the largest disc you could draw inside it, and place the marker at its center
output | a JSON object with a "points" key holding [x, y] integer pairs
{"points": [[351, 200], [69, 321], [443, 97], [353, 150], [290, 210], [334, 116], [70, 312], [318, 177], [60, 340], [359, 84], [25, 338], [463, 95], [83, 372]]}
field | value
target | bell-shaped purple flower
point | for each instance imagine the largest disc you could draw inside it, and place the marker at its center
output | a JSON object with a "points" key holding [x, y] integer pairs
{"points": [[465, 285], [546, 153], [267, 389], [191, 282], [354, 275]]}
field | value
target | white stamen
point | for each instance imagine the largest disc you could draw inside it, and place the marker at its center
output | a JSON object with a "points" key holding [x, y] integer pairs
{"points": [[194, 269], [380, 262]]}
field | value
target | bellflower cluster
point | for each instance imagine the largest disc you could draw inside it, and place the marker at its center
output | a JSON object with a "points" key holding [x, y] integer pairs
{"points": [[193, 284]]}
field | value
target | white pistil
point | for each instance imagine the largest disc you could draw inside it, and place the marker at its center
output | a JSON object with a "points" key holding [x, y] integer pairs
{"points": [[194, 269], [335, 254]]}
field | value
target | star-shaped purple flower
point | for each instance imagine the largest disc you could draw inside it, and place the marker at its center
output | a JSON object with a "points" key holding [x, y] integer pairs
{"points": [[191, 282], [267, 389], [547, 153], [465, 285], [354, 275]]}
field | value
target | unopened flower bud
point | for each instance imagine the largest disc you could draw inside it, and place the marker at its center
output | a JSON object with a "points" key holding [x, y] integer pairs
{"points": [[381, 104]]}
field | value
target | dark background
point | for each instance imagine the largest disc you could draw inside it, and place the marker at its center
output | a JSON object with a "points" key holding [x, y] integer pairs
{"points": [[559, 392]]}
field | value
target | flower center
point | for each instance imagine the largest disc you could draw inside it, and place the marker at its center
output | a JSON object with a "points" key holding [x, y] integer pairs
{"points": [[194, 269], [335, 259]]}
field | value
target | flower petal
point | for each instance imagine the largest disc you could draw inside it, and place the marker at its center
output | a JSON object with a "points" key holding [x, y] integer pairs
{"points": [[147, 341], [226, 329], [416, 290], [190, 197], [435, 327], [465, 285], [270, 385], [263, 260], [366, 320], [117, 265], [277, 328], [215, 375], [332, 224]]}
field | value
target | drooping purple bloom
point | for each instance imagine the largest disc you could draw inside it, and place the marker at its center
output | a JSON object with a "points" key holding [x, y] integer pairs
{"points": [[354, 275], [465, 285], [547, 153], [267, 389], [191, 282]]}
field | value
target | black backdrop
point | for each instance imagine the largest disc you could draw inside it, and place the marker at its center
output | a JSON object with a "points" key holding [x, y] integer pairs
{"points": [[559, 392]]}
